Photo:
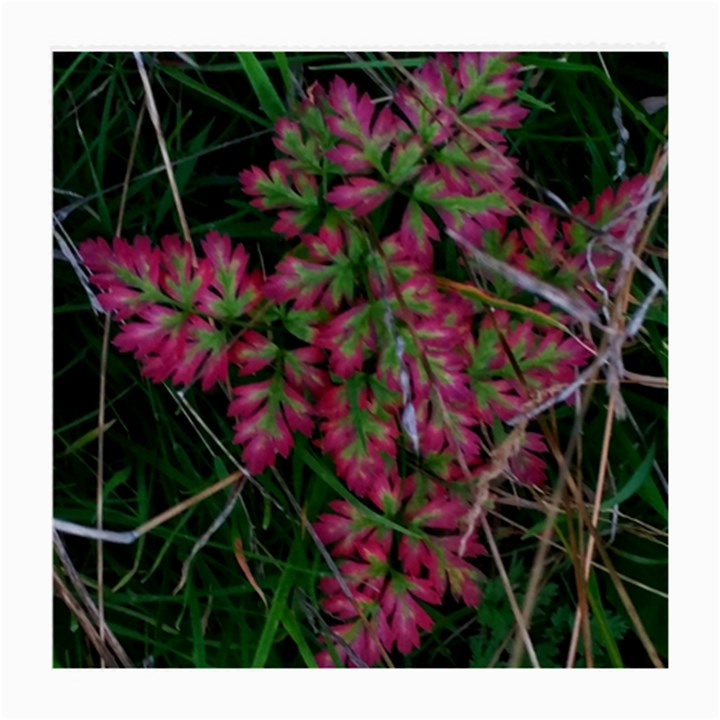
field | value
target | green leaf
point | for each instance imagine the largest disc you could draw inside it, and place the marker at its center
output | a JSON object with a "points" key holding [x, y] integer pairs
{"points": [[278, 607], [293, 628], [405, 163], [533, 101], [470, 205], [284, 68], [181, 77], [635, 482], [267, 96], [607, 637], [116, 480], [85, 439], [300, 322]]}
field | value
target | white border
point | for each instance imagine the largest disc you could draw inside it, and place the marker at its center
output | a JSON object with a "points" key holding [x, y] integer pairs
{"points": [[30, 30]]}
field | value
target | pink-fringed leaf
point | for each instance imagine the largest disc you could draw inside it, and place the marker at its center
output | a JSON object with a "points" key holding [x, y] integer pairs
{"points": [[346, 336], [526, 466], [424, 104], [266, 413], [159, 325], [401, 617], [361, 195], [123, 302], [441, 512], [229, 291], [205, 355], [350, 158], [416, 231], [462, 577], [128, 274], [324, 280], [618, 208], [405, 161], [290, 223], [545, 355], [449, 432], [303, 369], [293, 193], [305, 152], [253, 352], [354, 111], [358, 433], [416, 556], [347, 528], [354, 121]]}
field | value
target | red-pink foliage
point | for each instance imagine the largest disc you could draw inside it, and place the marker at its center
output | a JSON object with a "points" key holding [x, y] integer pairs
{"points": [[352, 341]]}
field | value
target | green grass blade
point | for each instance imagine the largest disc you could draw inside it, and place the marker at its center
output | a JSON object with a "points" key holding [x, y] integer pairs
{"points": [[278, 607], [601, 619], [293, 628], [182, 78], [267, 96], [69, 72], [284, 68], [635, 482], [197, 631]]}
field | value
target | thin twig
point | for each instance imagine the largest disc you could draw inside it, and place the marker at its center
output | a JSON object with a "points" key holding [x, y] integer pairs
{"points": [[87, 601], [100, 477], [130, 536], [106, 658], [509, 592], [155, 117], [595, 516], [205, 538], [128, 170]]}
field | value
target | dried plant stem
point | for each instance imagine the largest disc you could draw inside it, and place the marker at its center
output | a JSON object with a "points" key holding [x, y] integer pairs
{"points": [[509, 592], [595, 516], [100, 478], [557, 546], [203, 541], [552, 511], [106, 658], [130, 536], [110, 641], [155, 118], [128, 170], [101, 405], [627, 603]]}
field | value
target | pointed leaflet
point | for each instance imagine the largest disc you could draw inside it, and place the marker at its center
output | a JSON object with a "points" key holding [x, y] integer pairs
{"points": [[360, 194], [230, 291], [416, 231], [304, 151], [349, 529], [401, 616], [547, 358], [325, 277], [423, 105], [294, 193], [347, 336], [128, 275], [172, 296], [267, 412], [359, 433], [351, 119]]}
